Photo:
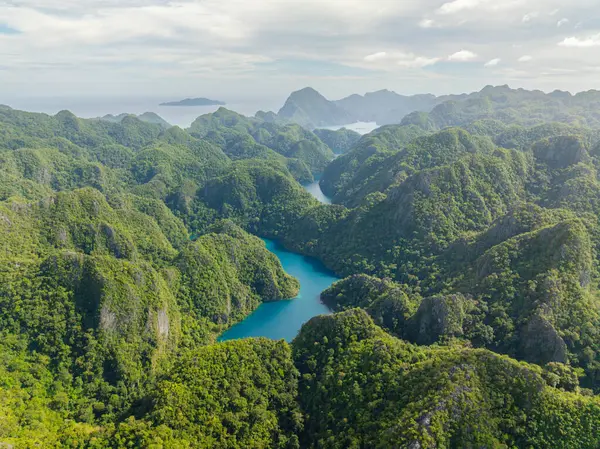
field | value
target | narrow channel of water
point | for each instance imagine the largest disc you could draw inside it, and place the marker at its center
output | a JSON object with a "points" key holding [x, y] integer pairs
{"points": [[283, 319], [315, 190]]}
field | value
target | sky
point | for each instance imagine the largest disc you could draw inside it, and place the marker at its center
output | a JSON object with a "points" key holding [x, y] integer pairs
{"points": [[239, 49]]}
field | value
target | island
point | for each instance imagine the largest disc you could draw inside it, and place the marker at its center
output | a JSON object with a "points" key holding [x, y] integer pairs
{"points": [[194, 102]]}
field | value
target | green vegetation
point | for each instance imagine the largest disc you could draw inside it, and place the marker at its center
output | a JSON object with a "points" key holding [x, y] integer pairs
{"points": [[243, 138], [237, 394], [359, 387], [512, 106], [389, 155], [148, 117], [227, 273], [127, 247], [340, 141], [491, 246]]}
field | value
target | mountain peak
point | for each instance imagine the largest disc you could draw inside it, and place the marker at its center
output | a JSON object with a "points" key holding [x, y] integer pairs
{"points": [[310, 109], [307, 91]]}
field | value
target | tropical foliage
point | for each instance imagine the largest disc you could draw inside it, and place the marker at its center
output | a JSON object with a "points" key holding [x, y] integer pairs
{"points": [[468, 235]]}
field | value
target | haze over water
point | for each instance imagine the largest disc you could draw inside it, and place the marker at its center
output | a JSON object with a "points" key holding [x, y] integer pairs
{"points": [[182, 116]]}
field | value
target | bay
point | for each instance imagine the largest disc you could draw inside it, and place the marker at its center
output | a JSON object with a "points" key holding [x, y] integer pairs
{"points": [[283, 319]]}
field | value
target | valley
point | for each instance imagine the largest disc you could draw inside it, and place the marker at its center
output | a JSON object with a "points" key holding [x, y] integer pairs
{"points": [[258, 281]]}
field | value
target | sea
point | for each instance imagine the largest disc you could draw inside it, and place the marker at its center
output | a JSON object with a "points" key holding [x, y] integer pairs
{"points": [[182, 116]]}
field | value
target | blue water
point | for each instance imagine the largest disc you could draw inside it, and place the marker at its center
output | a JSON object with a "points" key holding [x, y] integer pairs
{"points": [[283, 319]]}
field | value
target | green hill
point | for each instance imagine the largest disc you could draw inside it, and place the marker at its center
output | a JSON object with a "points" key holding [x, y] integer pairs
{"points": [[469, 315], [243, 138], [340, 141], [360, 387]]}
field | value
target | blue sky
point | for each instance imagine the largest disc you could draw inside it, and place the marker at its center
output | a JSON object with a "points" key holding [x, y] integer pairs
{"points": [[242, 48]]}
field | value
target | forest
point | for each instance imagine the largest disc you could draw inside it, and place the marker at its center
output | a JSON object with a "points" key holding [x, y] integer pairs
{"points": [[466, 236]]}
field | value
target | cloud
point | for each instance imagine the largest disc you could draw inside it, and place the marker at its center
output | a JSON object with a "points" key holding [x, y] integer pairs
{"points": [[525, 58], [401, 59], [592, 41], [529, 17], [376, 56], [178, 45], [492, 63], [426, 23], [562, 22], [457, 6], [462, 56], [417, 62]]}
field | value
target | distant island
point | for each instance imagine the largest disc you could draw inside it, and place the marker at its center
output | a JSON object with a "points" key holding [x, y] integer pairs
{"points": [[194, 102]]}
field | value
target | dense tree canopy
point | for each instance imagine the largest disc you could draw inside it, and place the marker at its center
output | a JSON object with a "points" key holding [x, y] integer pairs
{"points": [[469, 315]]}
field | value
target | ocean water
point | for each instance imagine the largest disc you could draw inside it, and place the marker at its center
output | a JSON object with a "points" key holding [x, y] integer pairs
{"points": [[182, 116]]}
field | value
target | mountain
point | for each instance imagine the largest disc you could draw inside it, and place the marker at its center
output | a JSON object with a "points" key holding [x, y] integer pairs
{"points": [[385, 107], [359, 387], [516, 106], [309, 108], [340, 141], [468, 314], [194, 102], [243, 137], [148, 117]]}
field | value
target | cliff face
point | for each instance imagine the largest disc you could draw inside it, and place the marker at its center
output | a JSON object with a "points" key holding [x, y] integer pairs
{"points": [[309, 108]]}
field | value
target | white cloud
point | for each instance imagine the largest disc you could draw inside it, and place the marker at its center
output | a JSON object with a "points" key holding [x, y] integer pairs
{"points": [[456, 6], [529, 16], [562, 22], [492, 62], [376, 56], [392, 61], [400, 59], [426, 23], [417, 62], [525, 58], [178, 45], [462, 56], [105, 26], [592, 41]]}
